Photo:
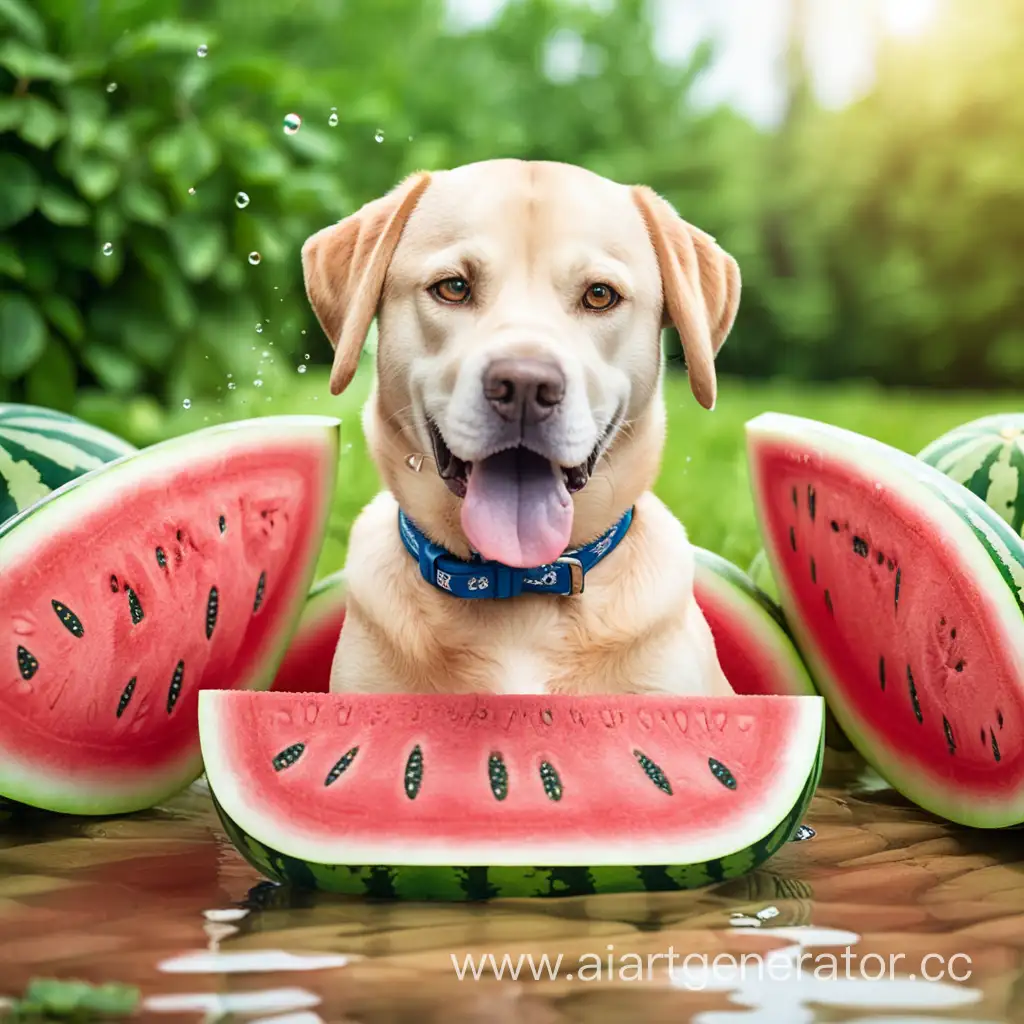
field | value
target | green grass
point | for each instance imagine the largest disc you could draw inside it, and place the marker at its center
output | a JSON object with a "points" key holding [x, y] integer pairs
{"points": [[704, 476]]}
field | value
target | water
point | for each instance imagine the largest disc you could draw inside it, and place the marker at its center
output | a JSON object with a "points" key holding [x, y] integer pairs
{"points": [[159, 900], [187, 404], [302, 369], [378, 136], [292, 123], [112, 87], [241, 200], [259, 330], [332, 120], [202, 50], [254, 258], [108, 248]]}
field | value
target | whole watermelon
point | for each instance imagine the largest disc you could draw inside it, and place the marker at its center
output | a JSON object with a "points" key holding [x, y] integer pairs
{"points": [[987, 457], [41, 450]]}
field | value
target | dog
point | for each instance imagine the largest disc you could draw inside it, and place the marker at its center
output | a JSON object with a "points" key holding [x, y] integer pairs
{"points": [[518, 424]]}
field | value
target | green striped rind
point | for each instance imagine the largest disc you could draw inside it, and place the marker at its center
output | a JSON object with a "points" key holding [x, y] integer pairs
{"points": [[24, 783], [986, 457], [41, 450], [760, 573], [746, 591], [459, 884], [991, 535]]}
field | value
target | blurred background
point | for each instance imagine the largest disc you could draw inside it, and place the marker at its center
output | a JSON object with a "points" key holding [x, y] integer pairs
{"points": [[162, 161]]}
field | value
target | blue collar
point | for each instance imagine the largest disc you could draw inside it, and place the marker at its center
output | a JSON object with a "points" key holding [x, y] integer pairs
{"points": [[492, 579]]}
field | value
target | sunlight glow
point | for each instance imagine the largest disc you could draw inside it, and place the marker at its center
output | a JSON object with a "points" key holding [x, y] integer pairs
{"points": [[909, 17]]}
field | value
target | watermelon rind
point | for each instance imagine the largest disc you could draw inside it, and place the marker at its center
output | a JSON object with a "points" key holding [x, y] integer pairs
{"points": [[758, 617], [987, 457], [42, 449], [989, 551], [307, 664], [488, 868], [760, 572], [32, 784]]}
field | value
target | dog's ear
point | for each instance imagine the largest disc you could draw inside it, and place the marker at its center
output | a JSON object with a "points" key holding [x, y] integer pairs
{"points": [[344, 266], [701, 284]]}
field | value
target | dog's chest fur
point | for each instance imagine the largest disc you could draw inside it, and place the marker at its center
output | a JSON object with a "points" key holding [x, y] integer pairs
{"points": [[624, 634]]}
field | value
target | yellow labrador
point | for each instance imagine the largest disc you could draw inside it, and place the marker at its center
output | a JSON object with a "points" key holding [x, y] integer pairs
{"points": [[518, 424]]}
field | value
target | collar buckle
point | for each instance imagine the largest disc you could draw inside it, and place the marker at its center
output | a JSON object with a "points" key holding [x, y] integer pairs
{"points": [[576, 574]]}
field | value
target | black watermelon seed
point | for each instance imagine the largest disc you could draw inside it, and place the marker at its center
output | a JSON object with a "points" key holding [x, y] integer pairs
{"points": [[134, 606], [913, 696], [69, 619], [948, 730], [114, 588], [27, 664], [942, 621], [880, 558], [890, 565], [995, 746], [983, 734], [552, 783], [803, 833], [796, 499], [414, 773], [860, 547], [814, 571], [835, 526], [899, 582], [175, 691], [497, 772], [342, 766], [999, 718], [792, 537], [828, 603], [812, 502], [126, 696], [288, 756], [222, 523], [212, 605], [960, 666], [720, 772], [261, 589], [179, 536], [881, 671], [161, 558], [653, 772]]}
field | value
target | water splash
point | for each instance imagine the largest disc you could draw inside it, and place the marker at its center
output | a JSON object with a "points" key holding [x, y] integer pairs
{"points": [[241, 200], [257, 383], [232, 385], [292, 123]]}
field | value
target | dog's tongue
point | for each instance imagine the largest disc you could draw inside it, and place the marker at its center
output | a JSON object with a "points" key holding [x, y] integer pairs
{"points": [[517, 509]]}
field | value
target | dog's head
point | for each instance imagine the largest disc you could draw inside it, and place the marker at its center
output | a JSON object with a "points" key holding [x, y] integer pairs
{"points": [[520, 308]]}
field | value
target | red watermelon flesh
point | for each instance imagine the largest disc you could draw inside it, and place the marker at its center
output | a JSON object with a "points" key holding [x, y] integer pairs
{"points": [[125, 593], [364, 779], [307, 665], [904, 592]]}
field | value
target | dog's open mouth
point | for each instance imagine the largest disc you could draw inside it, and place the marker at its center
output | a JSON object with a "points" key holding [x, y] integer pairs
{"points": [[523, 461]]}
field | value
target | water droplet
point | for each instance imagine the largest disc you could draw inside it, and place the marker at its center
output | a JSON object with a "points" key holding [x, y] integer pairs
{"points": [[187, 404], [333, 119], [302, 369], [292, 123], [108, 248], [112, 87], [191, 191], [202, 50], [254, 258], [378, 136], [230, 375], [306, 356], [257, 383], [346, 449], [232, 386], [259, 330], [266, 354], [303, 332], [241, 200]]}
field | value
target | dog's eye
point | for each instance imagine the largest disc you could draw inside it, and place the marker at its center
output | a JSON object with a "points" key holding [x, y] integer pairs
{"points": [[452, 289], [600, 297]]}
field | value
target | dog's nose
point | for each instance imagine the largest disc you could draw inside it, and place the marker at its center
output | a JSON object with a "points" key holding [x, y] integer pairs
{"points": [[524, 390]]}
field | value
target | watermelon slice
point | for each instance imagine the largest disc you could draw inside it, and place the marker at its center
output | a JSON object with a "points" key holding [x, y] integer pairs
{"points": [[754, 649], [469, 797], [41, 450], [307, 665], [124, 593], [987, 457], [904, 591]]}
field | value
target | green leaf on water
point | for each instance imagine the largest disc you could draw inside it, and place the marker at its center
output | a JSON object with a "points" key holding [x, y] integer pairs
{"points": [[57, 999]]}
